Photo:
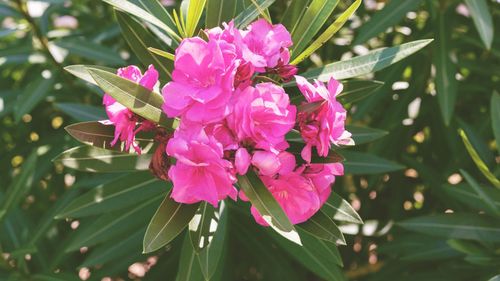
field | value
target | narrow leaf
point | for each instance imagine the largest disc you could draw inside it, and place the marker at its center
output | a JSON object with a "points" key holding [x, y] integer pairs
{"points": [[495, 117], [323, 227], [365, 64], [162, 53], [339, 209], [189, 267], [481, 193], [82, 112], [251, 13], [389, 16], [360, 163], [168, 222], [195, 10], [293, 14], [356, 90], [114, 195], [98, 160], [32, 95], [268, 207], [139, 40], [92, 51], [478, 161], [140, 100], [482, 19], [219, 11], [362, 135]]}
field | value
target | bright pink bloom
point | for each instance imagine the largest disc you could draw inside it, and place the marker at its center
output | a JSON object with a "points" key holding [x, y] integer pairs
{"points": [[222, 134], [295, 194], [267, 162], [322, 176], [265, 45], [202, 81], [200, 173], [326, 124], [123, 118], [262, 116], [242, 160]]}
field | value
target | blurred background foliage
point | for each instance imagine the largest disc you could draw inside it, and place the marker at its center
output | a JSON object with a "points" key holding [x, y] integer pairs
{"points": [[437, 219]]}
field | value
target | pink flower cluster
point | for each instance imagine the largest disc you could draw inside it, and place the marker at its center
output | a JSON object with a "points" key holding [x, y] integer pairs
{"points": [[232, 121]]}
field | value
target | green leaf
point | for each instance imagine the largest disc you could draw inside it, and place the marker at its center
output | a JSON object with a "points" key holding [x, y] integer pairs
{"points": [[89, 50], [482, 19], [101, 135], [143, 15], [456, 226], [339, 209], [189, 267], [219, 11], [114, 224], [32, 95], [293, 14], [203, 226], [446, 84], [193, 16], [481, 193], [139, 39], [389, 16], [365, 64], [495, 278], [251, 13], [140, 100], [311, 22], [209, 258], [316, 255], [478, 161], [262, 199], [168, 222], [323, 227], [156, 8], [362, 135], [81, 71], [19, 187], [82, 112], [417, 247], [328, 33], [296, 148], [355, 90], [467, 195], [495, 117], [125, 247], [98, 160], [162, 53], [360, 163], [114, 195]]}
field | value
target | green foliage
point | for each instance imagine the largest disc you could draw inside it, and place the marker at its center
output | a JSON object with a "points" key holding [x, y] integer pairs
{"points": [[427, 195]]}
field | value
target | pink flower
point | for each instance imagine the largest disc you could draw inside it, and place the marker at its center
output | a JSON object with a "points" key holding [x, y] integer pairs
{"points": [[200, 173], [295, 194], [267, 162], [242, 160], [323, 176], [123, 118], [202, 81], [265, 45], [326, 124], [262, 115]]}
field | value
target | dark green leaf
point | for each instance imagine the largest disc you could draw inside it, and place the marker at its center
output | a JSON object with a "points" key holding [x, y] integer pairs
{"points": [[293, 14], [481, 193], [362, 135], [495, 117], [251, 13], [355, 90], [467, 195], [189, 267], [268, 207], [82, 112], [482, 19], [219, 11], [92, 51], [323, 227], [360, 163], [98, 160], [339, 209], [390, 15], [203, 226], [33, 94], [139, 40], [457, 226], [168, 222], [115, 195]]}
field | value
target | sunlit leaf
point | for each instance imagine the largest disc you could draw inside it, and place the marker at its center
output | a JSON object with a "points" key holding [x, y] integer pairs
{"points": [[339, 209], [195, 9], [482, 19], [251, 13]]}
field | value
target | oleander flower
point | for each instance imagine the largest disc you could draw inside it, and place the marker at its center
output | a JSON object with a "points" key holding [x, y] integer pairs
{"points": [[121, 117], [326, 124], [202, 81], [262, 116], [266, 45], [200, 173]]}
